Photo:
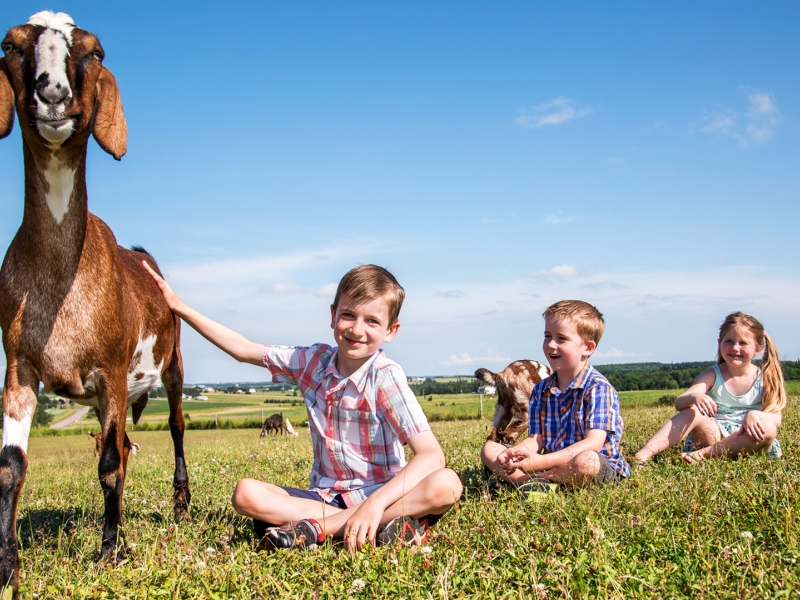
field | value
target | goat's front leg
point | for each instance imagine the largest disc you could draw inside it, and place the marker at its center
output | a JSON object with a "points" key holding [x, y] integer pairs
{"points": [[111, 468], [19, 404]]}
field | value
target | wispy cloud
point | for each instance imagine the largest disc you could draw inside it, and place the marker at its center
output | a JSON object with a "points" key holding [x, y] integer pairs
{"points": [[457, 360], [557, 218], [554, 112], [603, 286], [558, 272], [756, 124], [450, 293], [327, 291], [286, 288], [613, 353]]}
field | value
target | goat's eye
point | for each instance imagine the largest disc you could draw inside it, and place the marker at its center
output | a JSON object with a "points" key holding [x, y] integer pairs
{"points": [[96, 55], [8, 48]]}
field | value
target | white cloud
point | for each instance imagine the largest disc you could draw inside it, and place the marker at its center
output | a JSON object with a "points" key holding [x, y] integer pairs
{"points": [[557, 218], [613, 353], [457, 360], [327, 291], [554, 112], [286, 288], [559, 271], [756, 124]]}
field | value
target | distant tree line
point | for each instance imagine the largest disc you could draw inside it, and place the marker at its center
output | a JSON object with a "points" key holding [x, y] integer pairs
{"points": [[659, 376], [465, 385]]}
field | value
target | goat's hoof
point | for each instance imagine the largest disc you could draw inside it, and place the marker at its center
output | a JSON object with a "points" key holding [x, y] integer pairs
{"points": [[114, 554], [182, 514]]}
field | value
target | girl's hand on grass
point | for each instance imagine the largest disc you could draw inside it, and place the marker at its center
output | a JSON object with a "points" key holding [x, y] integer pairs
{"points": [[705, 405], [362, 527], [752, 426], [169, 296]]}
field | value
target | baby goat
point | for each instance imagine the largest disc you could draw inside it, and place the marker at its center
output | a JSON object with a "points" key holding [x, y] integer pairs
{"points": [[78, 312], [513, 385]]}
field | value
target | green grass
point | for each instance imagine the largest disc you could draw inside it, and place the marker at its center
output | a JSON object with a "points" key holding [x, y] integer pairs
{"points": [[671, 530]]}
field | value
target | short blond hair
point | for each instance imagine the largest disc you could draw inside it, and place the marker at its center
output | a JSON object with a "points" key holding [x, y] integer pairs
{"points": [[367, 282], [588, 320]]}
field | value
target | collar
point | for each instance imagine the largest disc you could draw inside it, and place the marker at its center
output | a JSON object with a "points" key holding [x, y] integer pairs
{"points": [[579, 383], [358, 378]]}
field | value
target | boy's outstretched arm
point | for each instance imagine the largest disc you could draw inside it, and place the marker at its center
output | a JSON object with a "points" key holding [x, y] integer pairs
{"points": [[235, 344], [428, 457]]}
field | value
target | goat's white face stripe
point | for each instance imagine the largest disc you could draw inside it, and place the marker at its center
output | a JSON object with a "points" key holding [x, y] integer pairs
{"points": [[57, 21], [60, 181], [144, 373], [16, 433]]}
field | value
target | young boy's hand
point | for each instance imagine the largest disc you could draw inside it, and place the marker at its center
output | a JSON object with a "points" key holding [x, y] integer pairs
{"points": [[170, 296], [514, 458], [362, 527]]}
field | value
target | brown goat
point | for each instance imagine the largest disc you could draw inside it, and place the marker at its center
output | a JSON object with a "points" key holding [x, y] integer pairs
{"points": [[514, 385], [78, 312]]}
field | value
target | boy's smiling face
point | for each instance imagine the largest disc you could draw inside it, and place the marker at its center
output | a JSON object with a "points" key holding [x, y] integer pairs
{"points": [[359, 331], [564, 348]]}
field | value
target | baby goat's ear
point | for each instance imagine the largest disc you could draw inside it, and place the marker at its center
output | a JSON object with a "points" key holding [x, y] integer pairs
{"points": [[109, 127], [6, 101]]}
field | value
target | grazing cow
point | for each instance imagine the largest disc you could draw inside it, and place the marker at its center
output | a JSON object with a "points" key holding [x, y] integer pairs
{"points": [[273, 423], [98, 443], [289, 429], [513, 385]]}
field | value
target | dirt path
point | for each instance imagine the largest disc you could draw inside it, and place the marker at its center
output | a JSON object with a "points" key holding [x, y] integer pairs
{"points": [[71, 419]]}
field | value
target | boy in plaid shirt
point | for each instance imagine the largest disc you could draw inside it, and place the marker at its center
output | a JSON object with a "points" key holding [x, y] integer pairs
{"points": [[360, 414], [575, 422]]}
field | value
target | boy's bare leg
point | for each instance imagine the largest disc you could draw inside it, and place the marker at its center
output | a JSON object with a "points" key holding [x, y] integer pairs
{"points": [[704, 429], [266, 502], [489, 453], [580, 471]]}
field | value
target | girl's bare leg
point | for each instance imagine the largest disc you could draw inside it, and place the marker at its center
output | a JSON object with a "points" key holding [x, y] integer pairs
{"points": [[689, 420], [734, 445]]}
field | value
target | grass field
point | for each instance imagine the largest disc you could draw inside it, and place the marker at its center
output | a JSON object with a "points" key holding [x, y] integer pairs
{"points": [[723, 529]]}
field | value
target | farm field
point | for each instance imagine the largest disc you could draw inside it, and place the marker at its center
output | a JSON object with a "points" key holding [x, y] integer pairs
{"points": [[722, 529]]}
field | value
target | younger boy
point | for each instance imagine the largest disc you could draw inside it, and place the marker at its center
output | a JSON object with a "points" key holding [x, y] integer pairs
{"points": [[360, 414], [574, 413]]}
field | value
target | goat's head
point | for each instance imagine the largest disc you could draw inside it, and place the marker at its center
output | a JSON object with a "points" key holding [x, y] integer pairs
{"points": [[53, 74], [516, 381]]}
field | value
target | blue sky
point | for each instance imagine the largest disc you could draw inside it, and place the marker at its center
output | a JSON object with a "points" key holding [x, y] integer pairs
{"points": [[495, 157]]}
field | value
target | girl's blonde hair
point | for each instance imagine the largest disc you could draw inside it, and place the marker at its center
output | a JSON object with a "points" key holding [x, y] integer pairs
{"points": [[774, 396]]}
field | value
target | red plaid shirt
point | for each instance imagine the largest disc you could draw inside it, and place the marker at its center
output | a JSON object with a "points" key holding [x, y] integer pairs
{"points": [[358, 424]]}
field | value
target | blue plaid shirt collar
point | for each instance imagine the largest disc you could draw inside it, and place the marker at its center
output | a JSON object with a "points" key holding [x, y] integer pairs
{"points": [[580, 382]]}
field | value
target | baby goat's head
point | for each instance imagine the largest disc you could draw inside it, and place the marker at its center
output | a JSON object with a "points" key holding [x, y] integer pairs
{"points": [[53, 73]]}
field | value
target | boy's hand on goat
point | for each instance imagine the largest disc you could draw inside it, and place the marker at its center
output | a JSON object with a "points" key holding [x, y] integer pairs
{"points": [[362, 527], [169, 295], [514, 458]]}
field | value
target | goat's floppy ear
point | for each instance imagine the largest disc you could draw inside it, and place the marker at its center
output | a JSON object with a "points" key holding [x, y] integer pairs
{"points": [[6, 101], [109, 127]]}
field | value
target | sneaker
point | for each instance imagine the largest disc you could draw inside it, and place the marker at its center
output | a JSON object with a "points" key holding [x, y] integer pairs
{"points": [[297, 535], [410, 531], [537, 488]]}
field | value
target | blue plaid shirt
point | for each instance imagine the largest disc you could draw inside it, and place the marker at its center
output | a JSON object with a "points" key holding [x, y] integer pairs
{"points": [[563, 418]]}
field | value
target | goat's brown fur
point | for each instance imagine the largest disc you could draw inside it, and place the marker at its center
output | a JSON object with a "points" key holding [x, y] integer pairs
{"points": [[75, 306], [514, 385]]}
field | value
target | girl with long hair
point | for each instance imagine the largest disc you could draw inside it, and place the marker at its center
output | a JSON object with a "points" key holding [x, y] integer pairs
{"points": [[732, 408]]}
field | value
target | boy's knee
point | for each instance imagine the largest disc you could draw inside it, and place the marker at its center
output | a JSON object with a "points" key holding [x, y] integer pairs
{"points": [[446, 488], [242, 494], [490, 452], [586, 463]]}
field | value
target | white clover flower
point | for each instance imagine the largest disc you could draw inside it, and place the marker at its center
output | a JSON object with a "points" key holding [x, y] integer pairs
{"points": [[210, 550], [426, 550], [358, 585], [748, 535]]}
